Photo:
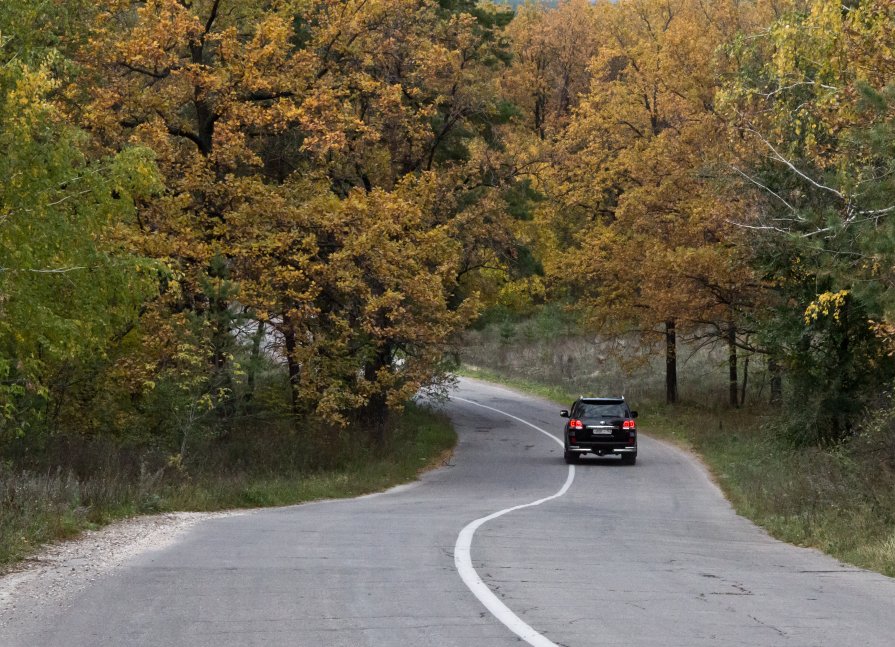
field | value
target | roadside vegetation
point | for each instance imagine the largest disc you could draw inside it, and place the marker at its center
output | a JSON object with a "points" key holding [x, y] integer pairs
{"points": [[277, 466], [839, 499], [236, 238], [709, 229], [230, 229]]}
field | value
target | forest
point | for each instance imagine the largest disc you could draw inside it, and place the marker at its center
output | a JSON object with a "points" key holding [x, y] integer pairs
{"points": [[235, 221]]}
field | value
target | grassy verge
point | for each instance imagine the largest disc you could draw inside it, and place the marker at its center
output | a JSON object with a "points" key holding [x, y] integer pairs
{"points": [[840, 501], [38, 508]]}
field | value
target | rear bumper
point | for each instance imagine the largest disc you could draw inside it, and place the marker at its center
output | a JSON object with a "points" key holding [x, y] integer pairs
{"points": [[589, 448]]}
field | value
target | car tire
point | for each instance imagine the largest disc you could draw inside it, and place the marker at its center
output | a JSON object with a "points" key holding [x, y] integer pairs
{"points": [[570, 457], [629, 459]]}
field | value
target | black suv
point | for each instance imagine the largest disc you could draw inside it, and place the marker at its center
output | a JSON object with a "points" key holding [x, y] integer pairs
{"points": [[600, 426]]}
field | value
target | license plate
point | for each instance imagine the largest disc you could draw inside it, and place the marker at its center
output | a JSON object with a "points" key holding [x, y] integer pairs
{"points": [[602, 432]]}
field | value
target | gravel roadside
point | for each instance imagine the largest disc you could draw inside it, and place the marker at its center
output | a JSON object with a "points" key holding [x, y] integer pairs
{"points": [[49, 580]]}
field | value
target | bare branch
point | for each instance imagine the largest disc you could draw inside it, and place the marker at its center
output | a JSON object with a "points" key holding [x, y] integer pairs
{"points": [[214, 15], [768, 95], [780, 158], [872, 214], [779, 230], [269, 96], [145, 71], [743, 225], [763, 187], [58, 270], [627, 123]]}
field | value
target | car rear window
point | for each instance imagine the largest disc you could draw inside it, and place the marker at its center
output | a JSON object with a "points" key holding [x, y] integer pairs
{"points": [[602, 410]]}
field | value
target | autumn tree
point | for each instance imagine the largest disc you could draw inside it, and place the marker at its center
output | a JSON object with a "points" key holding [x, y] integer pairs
{"points": [[272, 124], [640, 222], [198, 83], [398, 121], [552, 48]]}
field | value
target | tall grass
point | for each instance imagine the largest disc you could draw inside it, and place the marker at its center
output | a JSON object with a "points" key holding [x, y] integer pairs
{"points": [[256, 468], [838, 499]]}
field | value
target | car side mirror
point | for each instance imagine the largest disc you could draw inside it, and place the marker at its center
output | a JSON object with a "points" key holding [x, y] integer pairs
{"points": [[633, 414], [564, 413]]}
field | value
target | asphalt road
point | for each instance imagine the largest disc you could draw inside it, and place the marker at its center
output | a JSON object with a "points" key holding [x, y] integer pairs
{"points": [[644, 555]]}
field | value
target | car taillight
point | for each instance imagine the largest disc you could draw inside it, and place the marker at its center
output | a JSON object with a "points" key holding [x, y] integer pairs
{"points": [[576, 424], [629, 424]]}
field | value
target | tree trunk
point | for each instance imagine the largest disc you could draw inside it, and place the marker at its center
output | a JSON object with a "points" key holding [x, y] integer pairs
{"points": [[732, 365], [540, 108], [745, 381], [376, 413], [293, 366], [257, 338], [670, 362], [776, 380]]}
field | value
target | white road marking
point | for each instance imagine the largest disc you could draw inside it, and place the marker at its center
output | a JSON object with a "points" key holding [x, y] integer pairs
{"points": [[463, 547]]}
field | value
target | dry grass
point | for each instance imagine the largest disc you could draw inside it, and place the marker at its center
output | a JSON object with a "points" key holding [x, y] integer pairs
{"points": [[41, 506], [837, 499]]}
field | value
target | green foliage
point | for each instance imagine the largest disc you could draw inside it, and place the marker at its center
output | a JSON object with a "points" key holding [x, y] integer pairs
{"points": [[65, 290], [835, 361], [813, 101], [30, 30]]}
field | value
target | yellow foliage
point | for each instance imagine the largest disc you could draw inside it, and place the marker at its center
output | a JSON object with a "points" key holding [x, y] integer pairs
{"points": [[314, 174], [640, 230], [826, 304]]}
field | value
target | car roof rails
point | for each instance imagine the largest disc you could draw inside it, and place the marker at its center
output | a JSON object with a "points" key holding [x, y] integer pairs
{"points": [[601, 397]]}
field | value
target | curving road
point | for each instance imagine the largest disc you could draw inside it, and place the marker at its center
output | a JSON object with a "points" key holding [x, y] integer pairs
{"points": [[608, 555]]}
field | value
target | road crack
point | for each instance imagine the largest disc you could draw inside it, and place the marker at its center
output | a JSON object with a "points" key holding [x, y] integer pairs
{"points": [[770, 626]]}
